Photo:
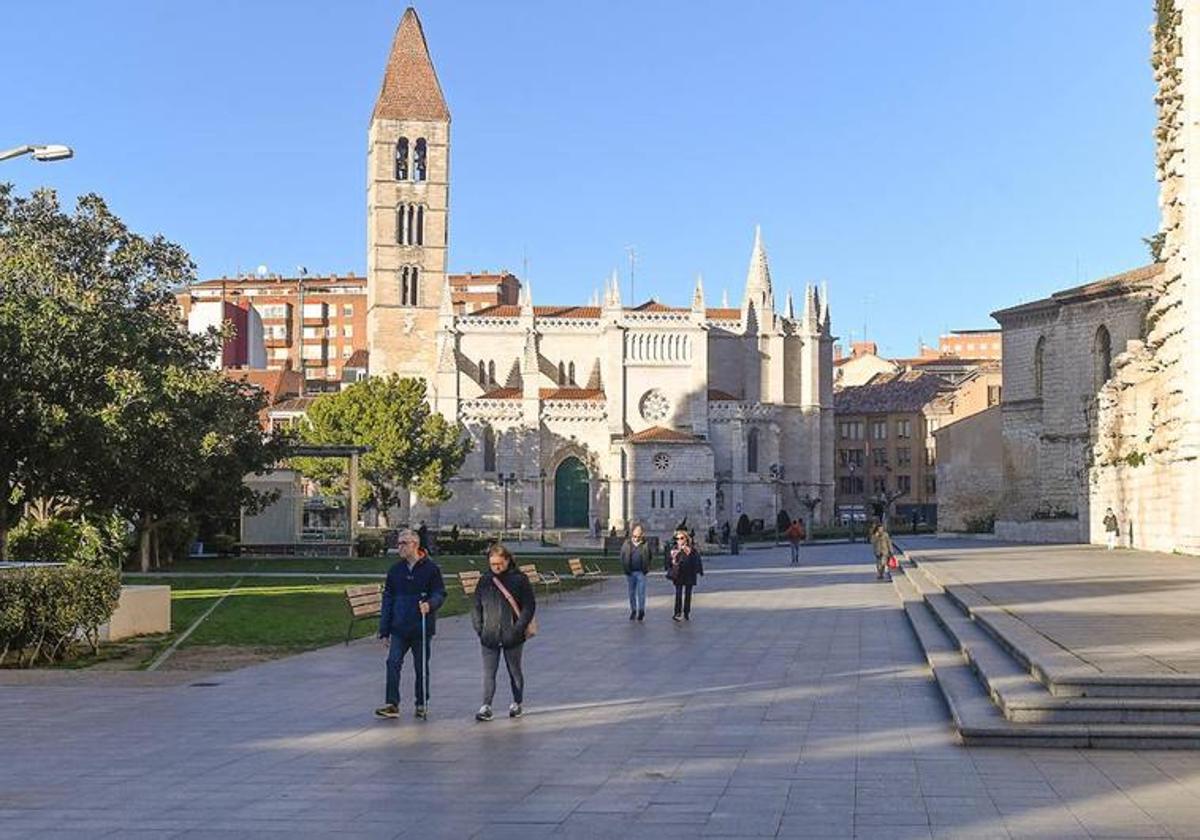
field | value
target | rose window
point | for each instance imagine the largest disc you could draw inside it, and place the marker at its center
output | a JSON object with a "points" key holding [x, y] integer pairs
{"points": [[655, 406], [662, 460]]}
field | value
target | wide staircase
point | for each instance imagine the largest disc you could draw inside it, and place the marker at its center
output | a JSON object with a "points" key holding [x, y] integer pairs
{"points": [[1007, 685]]}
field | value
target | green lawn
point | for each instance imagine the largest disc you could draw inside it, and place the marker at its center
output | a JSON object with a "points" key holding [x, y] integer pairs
{"points": [[451, 564]]}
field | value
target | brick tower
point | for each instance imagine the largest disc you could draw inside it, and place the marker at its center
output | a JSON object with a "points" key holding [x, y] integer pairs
{"points": [[408, 192]]}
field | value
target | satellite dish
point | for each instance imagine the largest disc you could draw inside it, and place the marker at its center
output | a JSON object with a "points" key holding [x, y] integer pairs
{"points": [[261, 271]]}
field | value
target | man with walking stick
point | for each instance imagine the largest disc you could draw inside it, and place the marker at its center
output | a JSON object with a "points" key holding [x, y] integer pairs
{"points": [[412, 594]]}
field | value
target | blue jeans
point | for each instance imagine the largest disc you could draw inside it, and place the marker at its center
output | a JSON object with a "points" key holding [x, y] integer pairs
{"points": [[397, 650], [637, 591], [795, 552]]}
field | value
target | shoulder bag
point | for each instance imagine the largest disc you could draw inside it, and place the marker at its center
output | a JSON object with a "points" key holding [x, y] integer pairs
{"points": [[531, 629]]}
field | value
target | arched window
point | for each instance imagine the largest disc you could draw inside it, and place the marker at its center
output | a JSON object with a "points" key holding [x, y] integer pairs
{"points": [[1039, 366], [571, 373], [482, 372], [402, 159], [492, 372], [489, 449], [410, 293], [562, 374], [752, 451], [410, 224], [1103, 356], [419, 168]]}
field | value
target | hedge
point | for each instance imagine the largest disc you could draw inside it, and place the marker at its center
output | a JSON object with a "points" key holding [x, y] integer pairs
{"points": [[100, 542], [46, 611]]}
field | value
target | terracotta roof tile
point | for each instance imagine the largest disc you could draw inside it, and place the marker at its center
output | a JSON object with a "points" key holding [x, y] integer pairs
{"points": [[590, 394], [502, 394], [567, 311], [278, 384], [723, 314], [659, 434], [410, 89], [653, 305], [358, 359], [908, 392]]}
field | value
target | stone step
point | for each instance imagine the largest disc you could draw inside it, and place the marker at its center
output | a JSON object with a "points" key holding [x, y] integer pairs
{"points": [[978, 721], [1023, 699], [1061, 672]]}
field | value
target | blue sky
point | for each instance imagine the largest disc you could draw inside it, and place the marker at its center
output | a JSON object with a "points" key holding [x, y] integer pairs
{"points": [[933, 161]]}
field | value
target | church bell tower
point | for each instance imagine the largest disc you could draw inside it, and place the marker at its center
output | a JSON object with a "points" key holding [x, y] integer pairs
{"points": [[408, 197]]}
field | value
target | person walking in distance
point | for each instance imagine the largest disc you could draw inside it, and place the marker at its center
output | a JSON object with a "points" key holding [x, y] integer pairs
{"points": [[1112, 530], [636, 560], [501, 614], [412, 595], [881, 545], [683, 567], [795, 536]]}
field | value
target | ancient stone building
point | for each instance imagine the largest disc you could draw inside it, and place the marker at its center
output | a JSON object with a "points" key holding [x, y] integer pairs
{"points": [[1146, 462], [587, 416]]}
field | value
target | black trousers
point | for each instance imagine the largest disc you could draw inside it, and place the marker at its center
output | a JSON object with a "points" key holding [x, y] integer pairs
{"points": [[491, 664], [683, 599]]}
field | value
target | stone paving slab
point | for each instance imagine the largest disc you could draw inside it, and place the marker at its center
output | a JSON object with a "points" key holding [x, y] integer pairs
{"points": [[1117, 613], [796, 703]]}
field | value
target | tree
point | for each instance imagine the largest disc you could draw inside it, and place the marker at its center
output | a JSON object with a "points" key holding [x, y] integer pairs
{"points": [[411, 448], [112, 402]]}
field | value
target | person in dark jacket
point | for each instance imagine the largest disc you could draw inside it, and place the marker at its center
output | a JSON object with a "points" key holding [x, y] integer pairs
{"points": [[636, 560], [683, 568], [504, 605], [413, 589]]}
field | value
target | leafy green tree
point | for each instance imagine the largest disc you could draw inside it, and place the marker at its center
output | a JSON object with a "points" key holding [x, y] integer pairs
{"points": [[109, 400], [411, 447]]}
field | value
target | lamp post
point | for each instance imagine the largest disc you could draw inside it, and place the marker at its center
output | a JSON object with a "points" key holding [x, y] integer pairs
{"points": [[504, 481], [41, 153], [776, 473], [542, 513], [852, 466]]}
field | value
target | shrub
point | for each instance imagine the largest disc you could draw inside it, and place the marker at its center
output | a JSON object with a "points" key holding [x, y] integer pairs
{"points": [[368, 545], [462, 545], [98, 542], [984, 524], [45, 612], [222, 544]]}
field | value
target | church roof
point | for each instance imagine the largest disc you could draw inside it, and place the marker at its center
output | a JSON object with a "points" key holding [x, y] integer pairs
{"points": [[585, 394], [1127, 281], [410, 89], [723, 314], [653, 305], [660, 434]]}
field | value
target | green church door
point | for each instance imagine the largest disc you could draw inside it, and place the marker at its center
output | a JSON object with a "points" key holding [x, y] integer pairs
{"points": [[571, 495]]}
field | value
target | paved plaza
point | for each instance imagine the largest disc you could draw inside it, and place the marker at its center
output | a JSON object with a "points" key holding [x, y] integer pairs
{"points": [[796, 703]]}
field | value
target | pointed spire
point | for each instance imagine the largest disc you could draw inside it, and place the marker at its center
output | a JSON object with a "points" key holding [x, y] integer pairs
{"points": [[758, 276], [724, 298], [698, 294], [789, 311], [410, 89], [529, 358], [824, 316], [447, 358], [811, 306], [616, 290]]}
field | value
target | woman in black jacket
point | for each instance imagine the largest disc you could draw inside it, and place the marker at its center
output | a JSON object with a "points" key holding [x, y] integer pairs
{"points": [[503, 608], [683, 567]]}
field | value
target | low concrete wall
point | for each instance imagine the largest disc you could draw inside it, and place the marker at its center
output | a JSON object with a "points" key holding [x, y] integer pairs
{"points": [[1042, 531], [141, 610]]}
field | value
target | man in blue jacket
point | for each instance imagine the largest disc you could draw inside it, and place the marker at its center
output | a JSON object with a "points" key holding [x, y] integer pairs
{"points": [[414, 590]]}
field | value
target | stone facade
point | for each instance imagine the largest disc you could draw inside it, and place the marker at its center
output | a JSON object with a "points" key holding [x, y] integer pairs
{"points": [[1058, 352], [590, 416], [970, 471], [1147, 458]]}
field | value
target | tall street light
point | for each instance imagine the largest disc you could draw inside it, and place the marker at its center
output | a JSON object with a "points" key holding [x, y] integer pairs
{"points": [[43, 153], [505, 481]]}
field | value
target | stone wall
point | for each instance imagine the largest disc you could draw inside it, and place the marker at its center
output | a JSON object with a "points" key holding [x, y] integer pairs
{"points": [[1148, 437], [970, 470]]}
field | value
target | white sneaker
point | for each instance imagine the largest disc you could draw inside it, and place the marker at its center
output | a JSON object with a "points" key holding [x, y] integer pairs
{"points": [[484, 713], [515, 710]]}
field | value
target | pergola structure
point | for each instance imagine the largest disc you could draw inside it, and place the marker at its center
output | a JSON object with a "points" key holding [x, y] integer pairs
{"points": [[338, 450]]}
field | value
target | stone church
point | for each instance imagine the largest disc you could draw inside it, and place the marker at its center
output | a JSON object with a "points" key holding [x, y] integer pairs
{"points": [[588, 416], [1101, 386]]}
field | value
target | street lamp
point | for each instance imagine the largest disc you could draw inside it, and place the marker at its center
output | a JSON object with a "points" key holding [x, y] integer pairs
{"points": [[776, 473], [504, 481], [542, 513], [43, 153], [852, 466]]}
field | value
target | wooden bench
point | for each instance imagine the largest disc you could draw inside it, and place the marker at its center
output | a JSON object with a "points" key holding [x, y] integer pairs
{"points": [[581, 572], [364, 602], [546, 579], [469, 582]]}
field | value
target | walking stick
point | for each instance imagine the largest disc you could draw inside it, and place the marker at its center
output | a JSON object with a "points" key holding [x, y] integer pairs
{"points": [[424, 664]]}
